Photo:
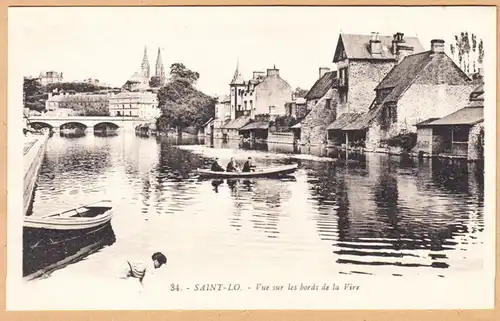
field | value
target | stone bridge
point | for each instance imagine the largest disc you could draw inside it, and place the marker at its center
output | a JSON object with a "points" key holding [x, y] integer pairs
{"points": [[88, 122]]}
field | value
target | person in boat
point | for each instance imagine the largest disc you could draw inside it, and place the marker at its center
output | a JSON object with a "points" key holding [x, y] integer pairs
{"points": [[216, 167], [248, 166], [138, 269], [232, 166]]}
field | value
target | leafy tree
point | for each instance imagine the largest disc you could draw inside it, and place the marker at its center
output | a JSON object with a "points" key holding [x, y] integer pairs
{"points": [[155, 82], [181, 103], [33, 96], [179, 71], [299, 92], [469, 53]]}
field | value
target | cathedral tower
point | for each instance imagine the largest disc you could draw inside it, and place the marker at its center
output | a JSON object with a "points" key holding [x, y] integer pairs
{"points": [[159, 68], [145, 66]]}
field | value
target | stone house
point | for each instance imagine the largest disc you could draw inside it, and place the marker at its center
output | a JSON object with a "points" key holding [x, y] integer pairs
{"points": [[459, 134], [362, 61], [422, 85], [319, 108], [265, 94]]}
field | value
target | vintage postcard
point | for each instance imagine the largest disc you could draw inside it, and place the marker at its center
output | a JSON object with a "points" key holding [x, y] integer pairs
{"points": [[181, 158]]}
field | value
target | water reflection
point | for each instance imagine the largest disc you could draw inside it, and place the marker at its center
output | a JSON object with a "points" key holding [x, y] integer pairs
{"points": [[375, 214]]}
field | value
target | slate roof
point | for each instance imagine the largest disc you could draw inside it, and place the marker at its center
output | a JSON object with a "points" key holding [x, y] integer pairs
{"points": [[237, 123], [362, 122], [464, 116], [358, 46], [321, 86], [256, 125], [343, 120], [402, 76]]}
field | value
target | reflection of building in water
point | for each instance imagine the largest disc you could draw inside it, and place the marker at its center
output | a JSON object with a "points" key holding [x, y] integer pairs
{"points": [[283, 148], [386, 211]]}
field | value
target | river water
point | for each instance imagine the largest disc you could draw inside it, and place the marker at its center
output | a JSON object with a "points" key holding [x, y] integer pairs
{"points": [[371, 214]]}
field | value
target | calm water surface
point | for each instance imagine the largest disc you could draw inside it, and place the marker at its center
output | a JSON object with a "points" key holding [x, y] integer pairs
{"points": [[372, 214]]}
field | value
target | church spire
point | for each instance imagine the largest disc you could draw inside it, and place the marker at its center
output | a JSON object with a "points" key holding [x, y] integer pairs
{"points": [[145, 66], [237, 78], [159, 68]]}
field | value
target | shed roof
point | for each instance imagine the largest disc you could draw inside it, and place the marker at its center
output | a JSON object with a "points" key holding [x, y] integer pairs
{"points": [[237, 123], [256, 125], [362, 122], [464, 116], [425, 122], [208, 122], [343, 120], [321, 86]]}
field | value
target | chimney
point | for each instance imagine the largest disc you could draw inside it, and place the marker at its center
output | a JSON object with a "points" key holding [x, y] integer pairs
{"points": [[258, 74], [273, 71], [323, 71], [397, 39], [403, 51], [375, 44], [437, 46]]}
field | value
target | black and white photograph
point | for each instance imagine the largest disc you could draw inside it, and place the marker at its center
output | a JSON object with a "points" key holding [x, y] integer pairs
{"points": [[237, 157]]}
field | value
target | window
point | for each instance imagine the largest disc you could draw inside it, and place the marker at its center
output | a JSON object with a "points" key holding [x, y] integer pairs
{"points": [[251, 104], [130, 113], [239, 107], [246, 105], [328, 104], [391, 114], [460, 134], [343, 96]]}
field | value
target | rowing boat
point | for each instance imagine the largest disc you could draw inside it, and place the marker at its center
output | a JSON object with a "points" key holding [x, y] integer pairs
{"points": [[265, 172], [83, 217], [51, 239]]}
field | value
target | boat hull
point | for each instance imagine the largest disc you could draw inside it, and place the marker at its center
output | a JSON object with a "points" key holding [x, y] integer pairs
{"points": [[272, 172], [67, 224], [44, 248]]}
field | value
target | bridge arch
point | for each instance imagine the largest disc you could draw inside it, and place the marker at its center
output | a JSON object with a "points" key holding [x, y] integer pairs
{"points": [[73, 124], [106, 125], [39, 125]]}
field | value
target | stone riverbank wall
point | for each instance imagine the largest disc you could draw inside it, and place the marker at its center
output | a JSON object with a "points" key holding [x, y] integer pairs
{"points": [[34, 152]]}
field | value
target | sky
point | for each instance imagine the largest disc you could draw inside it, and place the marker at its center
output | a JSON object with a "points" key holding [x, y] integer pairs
{"points": [[108, 43]]}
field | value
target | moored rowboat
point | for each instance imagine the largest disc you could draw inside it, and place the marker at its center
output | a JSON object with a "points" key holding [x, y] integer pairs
{"points": [[266, 172], [65, 236], [87, 216]]}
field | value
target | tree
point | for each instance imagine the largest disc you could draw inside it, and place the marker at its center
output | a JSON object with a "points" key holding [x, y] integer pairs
{"points": [[182, 105], [155, 82], [299, 92], [179, 71], [465, 47], [77, 87], [33, 96]]}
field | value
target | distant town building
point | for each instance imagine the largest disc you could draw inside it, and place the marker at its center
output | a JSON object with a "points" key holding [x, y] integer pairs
{"points": [[134, 104], [83, 102], [50, 77], [265, 94]]}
